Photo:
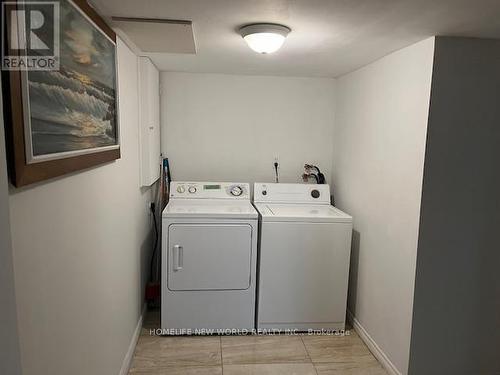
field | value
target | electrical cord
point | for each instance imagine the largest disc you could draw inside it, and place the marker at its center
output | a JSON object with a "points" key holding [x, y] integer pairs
{"points": [[276, 171], [321, 177]]}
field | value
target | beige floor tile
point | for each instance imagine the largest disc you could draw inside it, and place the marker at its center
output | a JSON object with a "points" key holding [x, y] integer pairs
{"points": [[251, 355], [157, 353], [350, 368], [263, 349], [271, 369], [338, 349], [197, 370]]}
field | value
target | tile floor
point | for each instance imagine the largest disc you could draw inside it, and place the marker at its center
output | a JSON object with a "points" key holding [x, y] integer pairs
{"points": [[251, 355]]}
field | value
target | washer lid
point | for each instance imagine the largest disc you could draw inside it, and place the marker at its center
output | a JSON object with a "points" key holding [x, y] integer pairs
{"points": [[211, 209], [302, 212]]}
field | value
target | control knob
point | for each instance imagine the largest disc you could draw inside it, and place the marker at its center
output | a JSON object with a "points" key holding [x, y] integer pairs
{"points": [[181, 189], [236, 191], [192, 189]]}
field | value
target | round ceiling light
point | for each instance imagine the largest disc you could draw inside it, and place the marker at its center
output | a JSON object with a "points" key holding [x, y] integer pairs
{"points": [[264, 37]]}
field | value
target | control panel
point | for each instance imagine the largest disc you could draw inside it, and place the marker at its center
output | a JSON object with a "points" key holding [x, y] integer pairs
{"points": [[209, 190], [291, 193]]}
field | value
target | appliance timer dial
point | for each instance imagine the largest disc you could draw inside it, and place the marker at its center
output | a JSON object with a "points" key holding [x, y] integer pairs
{"points": [[236, 191]]}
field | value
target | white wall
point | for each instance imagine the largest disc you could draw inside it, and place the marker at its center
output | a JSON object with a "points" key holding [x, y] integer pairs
{"points": [[10, 361], [230, 128], [81, 248], [379, 144]]}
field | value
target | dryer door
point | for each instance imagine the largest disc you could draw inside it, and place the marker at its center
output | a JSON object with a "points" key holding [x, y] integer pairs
{"points": [[209, 256]]}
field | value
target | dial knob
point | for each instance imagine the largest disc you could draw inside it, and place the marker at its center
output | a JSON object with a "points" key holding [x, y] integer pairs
{"points": [[192, 189], [236, 191], [181, 189]]}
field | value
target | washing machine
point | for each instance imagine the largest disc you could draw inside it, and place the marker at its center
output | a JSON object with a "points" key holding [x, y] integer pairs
{"points": [[304, 252], [209, 253]]}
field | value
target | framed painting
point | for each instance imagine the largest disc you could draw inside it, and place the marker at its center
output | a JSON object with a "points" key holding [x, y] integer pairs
{"points": [[59, 89]]}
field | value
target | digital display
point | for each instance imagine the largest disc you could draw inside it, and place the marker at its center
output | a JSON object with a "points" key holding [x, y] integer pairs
{"points": [[211, 187]]}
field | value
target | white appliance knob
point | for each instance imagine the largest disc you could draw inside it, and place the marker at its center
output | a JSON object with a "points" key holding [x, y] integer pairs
{"points": [[181, 189], [192, 189], [236, 191]]}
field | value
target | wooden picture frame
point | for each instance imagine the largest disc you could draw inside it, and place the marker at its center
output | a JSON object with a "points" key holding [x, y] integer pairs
{"points": [[22, 169]]}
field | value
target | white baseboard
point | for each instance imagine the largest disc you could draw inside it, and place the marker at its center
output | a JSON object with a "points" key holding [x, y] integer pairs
{"points": [[372, 345], [127, 361]]}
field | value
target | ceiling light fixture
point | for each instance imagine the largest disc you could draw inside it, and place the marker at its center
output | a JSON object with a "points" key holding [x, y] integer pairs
{"points": [[264, 37]]}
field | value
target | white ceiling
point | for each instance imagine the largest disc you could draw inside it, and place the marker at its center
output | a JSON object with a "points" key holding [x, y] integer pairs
{"points": [[328, 38]]}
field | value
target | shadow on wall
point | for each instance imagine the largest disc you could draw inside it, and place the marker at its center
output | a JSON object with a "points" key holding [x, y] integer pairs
{"points": [[353, 272], [145, 261]]}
